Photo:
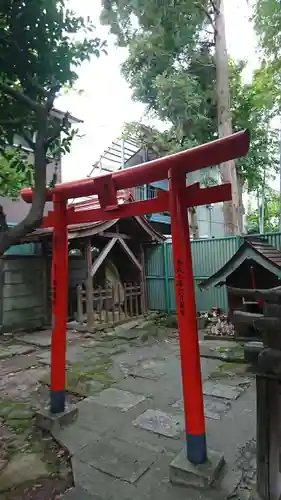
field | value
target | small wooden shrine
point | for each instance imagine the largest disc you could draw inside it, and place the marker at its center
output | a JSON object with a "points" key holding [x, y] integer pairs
{"points": [[106, 266], [256, 264]]}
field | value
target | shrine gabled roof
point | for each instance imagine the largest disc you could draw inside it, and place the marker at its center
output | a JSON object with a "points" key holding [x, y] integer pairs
{"points": [[253, 248], [94, 228]]}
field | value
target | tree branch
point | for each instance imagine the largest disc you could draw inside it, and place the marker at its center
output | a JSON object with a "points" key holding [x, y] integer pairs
{"points": [[55, 87], [216, 10], [10, 121], [19, 96], [202, 7], [61, 125]]}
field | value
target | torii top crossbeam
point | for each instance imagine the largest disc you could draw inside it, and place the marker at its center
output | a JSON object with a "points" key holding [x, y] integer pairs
{"points": [[212, 153]]}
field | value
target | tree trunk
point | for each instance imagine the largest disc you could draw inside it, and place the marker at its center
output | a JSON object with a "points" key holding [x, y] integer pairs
{"points": [[280, 175], [193, 224], [11, 236], [227, 169], [240, 185]]}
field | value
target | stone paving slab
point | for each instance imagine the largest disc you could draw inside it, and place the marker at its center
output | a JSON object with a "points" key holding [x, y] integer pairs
{"points": [[118, 458], [8, 351], [218, 390], [43, 338], [161, 423], [96, 419], [78, 493], [151, 369], [104, 486], [225, 351], [74, 353], [74, 437], [17, 363], [214, 408], [116, 398], [20, 385]]}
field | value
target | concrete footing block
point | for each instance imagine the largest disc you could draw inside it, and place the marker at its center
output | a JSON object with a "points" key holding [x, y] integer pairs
{"points": [[48, 421], [184, 473]]}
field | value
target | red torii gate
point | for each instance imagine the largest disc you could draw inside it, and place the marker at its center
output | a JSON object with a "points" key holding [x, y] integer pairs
{"points": [[177, 200]]}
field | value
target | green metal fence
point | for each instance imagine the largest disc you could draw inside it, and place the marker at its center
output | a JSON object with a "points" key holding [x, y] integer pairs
{"points": [[208, 256]]}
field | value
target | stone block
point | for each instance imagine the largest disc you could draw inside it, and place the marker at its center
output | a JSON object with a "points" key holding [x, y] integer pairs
{"points": [[116, 398], [214, 408], [118, 458], [221, 390], [161, 423], [22, 468], [183, 472], [14, 350], [150, 369], [48, 421]]}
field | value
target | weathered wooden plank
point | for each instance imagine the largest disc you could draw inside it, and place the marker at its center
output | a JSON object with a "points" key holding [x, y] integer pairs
{"points": [[119, 301], [105, 251], [89, 285], [21, 290], [272, 310], [18, 303], [23, 317], [79, 304], [246, 317], [27, 277], [21, 263], [130, 254]]}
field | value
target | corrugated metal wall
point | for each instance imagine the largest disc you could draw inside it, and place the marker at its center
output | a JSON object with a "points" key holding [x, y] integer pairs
{"points": [[208, 256]]}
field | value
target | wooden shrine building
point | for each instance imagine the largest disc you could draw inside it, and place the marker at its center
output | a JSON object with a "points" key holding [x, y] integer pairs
{"points": [[106, 266]]}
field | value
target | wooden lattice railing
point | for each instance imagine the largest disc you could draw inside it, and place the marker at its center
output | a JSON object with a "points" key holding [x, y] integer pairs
{"points": [[111, 304]]}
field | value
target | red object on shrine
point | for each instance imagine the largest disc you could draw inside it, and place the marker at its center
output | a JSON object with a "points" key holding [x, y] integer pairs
{"points": [[177, 200]]}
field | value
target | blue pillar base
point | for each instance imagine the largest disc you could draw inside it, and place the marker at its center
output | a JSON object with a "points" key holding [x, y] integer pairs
{"points": [[57, 402], [196, 448]]}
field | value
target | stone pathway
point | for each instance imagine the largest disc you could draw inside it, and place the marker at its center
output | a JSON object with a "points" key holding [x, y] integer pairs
{"points": [[130, 426]]}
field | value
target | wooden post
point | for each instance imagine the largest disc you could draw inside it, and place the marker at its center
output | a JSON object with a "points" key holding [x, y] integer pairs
{"points": [[106, 302], [131, 300], [89, 285], [119, 301], [143, 283], [113, 308], [79, 294], [125, 301], [100, 303], [137, 298]]}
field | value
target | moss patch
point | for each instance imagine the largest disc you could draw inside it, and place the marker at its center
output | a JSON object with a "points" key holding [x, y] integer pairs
{"points": [[230, 370], [81, 378]]}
